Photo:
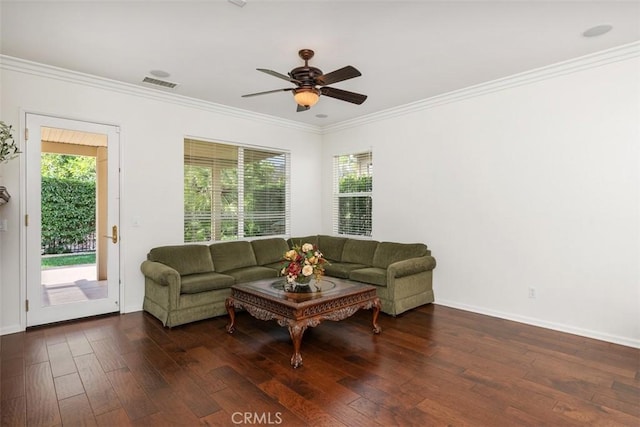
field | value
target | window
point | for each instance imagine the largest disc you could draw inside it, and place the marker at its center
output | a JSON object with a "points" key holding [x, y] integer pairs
{"points": [[232, 192], [353, 174]]}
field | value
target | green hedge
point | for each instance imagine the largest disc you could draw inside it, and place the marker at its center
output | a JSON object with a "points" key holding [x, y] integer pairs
{"points": [[68, 213]]}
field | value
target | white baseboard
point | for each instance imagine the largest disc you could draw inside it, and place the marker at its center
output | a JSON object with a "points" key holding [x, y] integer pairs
{"points": [[629, 342], [6, 330], [132, 308]]}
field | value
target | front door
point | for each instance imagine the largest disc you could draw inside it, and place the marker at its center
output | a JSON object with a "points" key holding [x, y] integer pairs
{"points": [[72, 219]]}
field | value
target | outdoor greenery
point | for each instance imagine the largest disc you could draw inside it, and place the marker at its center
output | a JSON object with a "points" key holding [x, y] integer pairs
{"points": [[354, 212], [265, 203], [68, 201], [211, 199], [198, 191], [355, 184], [77, 168], [354, 174], [64, 260]]}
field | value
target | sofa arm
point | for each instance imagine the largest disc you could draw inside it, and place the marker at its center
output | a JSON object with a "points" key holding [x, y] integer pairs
{"points": [[411, 266], [163, 275], [158, 272]]}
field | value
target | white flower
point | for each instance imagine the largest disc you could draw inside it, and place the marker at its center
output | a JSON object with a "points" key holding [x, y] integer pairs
{"points": [[307, 247], [307, 270]]}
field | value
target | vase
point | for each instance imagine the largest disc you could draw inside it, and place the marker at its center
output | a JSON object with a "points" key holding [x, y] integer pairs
{"points": [[311, 287], [301, 284], [303, 280], [305, 288]]}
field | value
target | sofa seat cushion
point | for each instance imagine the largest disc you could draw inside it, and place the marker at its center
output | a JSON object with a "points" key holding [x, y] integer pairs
{"points": [[248, 274], [268, 251], [370, 275], [202, 282], [387, 253], [185, 259], [341, 269], [232, 255]]}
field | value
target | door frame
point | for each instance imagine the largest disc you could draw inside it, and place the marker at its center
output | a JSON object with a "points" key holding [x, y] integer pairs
{"points": [[23, 255]]}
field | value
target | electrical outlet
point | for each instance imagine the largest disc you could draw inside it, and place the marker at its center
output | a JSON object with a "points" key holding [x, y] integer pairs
{"points": [[532, 293]]}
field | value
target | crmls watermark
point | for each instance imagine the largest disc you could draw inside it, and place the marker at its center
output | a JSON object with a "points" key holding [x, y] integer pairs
{"points": [[252, 418]]}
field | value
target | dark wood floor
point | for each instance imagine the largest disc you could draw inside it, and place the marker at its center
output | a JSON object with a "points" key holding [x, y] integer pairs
{"points": [[431, 366]]}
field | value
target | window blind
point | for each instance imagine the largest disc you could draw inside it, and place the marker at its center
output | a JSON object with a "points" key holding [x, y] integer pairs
{"points": [[353, 194], [231, 192], [265, 193]]}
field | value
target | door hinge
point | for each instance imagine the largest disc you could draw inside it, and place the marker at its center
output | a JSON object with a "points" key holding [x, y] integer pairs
{"points": [[26, 134], [26, 220], [26, 305]]}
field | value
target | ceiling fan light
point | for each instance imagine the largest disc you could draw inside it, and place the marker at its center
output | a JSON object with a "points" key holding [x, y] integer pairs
{"points": [[306, 97]]}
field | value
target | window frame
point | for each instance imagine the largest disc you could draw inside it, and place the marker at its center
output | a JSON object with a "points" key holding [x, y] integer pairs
{"points": [[207, 159], [363, 232]]}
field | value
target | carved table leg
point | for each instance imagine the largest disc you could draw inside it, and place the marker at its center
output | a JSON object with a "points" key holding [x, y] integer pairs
{"points": [[376, 310], [296, 331], [228, 303]]}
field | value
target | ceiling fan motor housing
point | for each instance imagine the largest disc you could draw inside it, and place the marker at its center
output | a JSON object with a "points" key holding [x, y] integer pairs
{"points": [[305, 75]]}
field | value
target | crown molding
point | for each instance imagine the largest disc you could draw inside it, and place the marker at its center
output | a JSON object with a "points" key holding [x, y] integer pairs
{"points": [[48, 71], [616, 54], [598, 59]]}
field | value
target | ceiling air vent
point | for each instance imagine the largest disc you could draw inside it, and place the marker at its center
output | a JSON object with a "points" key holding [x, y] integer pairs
{"points": [[157, 82]]}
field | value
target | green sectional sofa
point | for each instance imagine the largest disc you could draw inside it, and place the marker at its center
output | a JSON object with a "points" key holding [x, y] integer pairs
{"points": [[190, 282], [401, 272]]}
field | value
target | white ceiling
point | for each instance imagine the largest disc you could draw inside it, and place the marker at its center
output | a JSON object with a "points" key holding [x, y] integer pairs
{"points": [[406, 50]]}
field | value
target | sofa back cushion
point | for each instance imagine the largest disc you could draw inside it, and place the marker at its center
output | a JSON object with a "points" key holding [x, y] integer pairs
{"points": [[387, 253], [299, 241], [269, 251], [359, 251], [231, 255], [331, 246], [185, 259]]}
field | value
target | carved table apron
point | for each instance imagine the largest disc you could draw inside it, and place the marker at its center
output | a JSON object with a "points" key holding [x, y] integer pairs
{"points": [[298, 311]]}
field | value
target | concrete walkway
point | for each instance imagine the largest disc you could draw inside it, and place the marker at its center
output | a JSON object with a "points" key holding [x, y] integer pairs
{"points": [[64, 285]]}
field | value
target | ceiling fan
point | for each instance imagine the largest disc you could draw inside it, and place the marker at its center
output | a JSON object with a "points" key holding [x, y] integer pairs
{"points": [[306, 79]]}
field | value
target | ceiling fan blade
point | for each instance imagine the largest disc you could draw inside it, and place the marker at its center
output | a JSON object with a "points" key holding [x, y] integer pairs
{"points": [[266, 92], [342, 74], [278, 75], [343, 95], [302, 108]]}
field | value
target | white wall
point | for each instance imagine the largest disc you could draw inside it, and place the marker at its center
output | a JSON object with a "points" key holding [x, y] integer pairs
{"points": [[533, 185], [152, 132]]}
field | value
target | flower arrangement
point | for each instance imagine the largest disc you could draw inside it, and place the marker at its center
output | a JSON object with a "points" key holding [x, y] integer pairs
{"points": [[8, 147], [301, 264]]}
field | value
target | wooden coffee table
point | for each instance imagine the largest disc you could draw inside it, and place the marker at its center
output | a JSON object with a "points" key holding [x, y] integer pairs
{"points": [[337, 300]]}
